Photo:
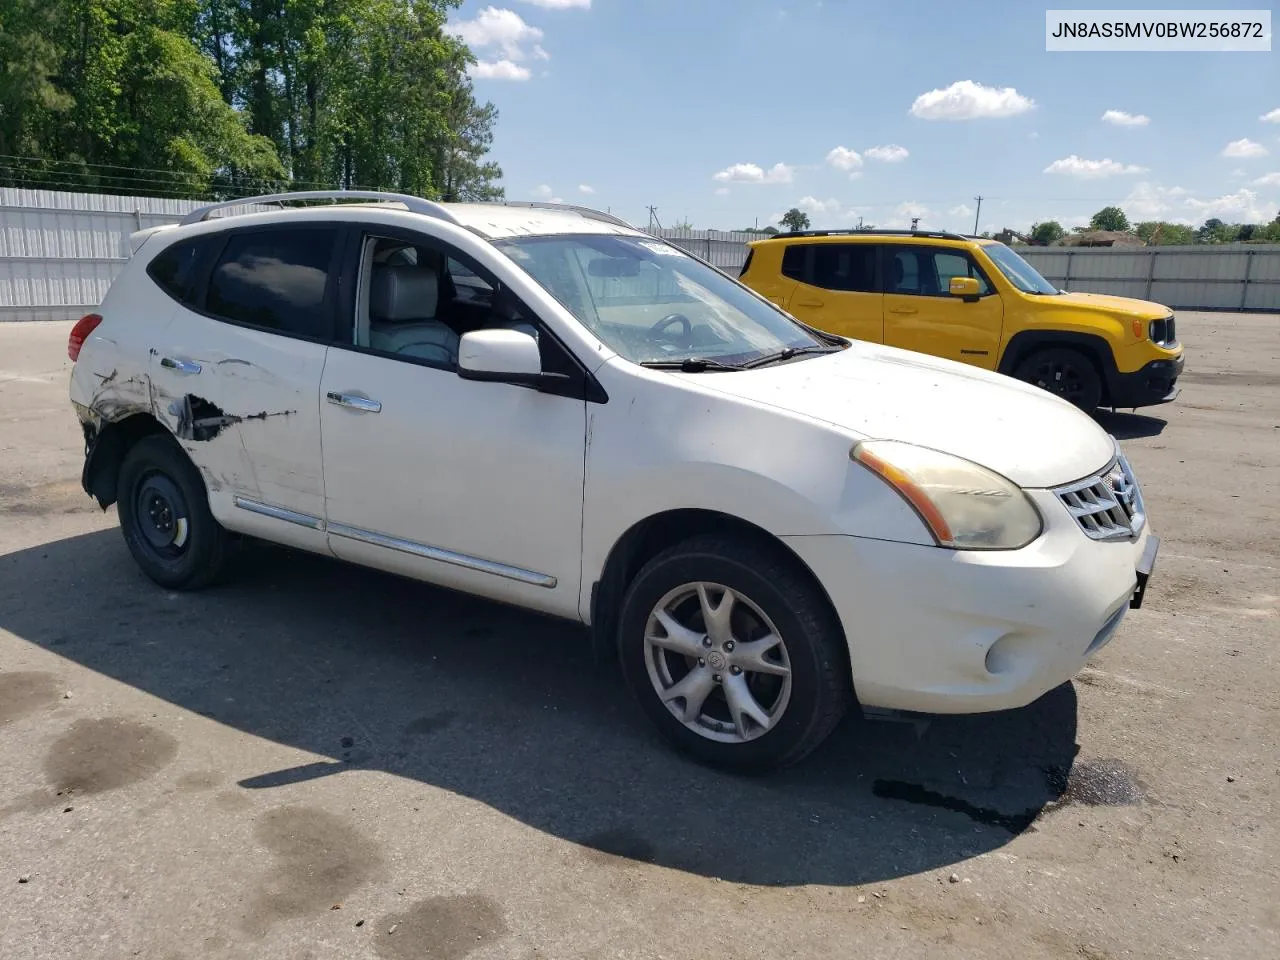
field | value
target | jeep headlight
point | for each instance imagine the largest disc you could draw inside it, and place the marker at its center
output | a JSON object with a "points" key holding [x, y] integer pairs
{"points": [[964, 505]]}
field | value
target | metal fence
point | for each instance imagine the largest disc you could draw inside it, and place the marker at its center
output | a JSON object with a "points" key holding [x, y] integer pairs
{"points": [[60, 251], [1226, 277]]}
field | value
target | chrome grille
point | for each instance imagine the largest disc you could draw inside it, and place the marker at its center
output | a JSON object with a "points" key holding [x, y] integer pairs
{"points": [[1108, 505]]}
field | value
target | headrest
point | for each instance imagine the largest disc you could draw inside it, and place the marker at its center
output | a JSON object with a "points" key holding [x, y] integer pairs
{"points": [[899, 272], [403, 293]]}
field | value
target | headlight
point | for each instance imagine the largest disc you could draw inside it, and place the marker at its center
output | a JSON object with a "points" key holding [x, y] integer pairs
{"points": [[965, 506]]}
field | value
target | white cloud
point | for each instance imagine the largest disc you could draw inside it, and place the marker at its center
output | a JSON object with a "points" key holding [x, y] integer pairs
{"points": [[842, 158], [539, 53], [543, 191], [1270, 180], [751, 173], [503, 29], [1150, 201], [1119, 118], [1244, 149], [561, 4], [1243, 206], [963, 210], [499, 70], [723, 191], [818, 207], [1033, 135], [889, 153], [1272, 117], [966, 100], [1074, 166], [586, 188]]}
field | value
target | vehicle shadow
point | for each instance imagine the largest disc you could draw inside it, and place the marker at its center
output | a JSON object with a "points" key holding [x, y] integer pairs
{"points": [[1129, 426], [508, 708]]}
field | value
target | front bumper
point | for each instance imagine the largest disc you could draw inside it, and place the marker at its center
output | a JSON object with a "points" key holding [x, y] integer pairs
{"points": [[946, 631], [1156, 382]]}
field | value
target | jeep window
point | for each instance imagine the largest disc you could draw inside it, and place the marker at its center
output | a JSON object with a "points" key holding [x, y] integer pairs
{"points": [[174, 268], [652, 303], [845, 266], [1017, 271], [950, 265], [794, 260], [275, 279]]}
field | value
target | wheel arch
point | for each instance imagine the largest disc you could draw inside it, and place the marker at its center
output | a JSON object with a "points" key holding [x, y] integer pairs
{"points": [[1096, 348], [107, 449], [646, 538]]}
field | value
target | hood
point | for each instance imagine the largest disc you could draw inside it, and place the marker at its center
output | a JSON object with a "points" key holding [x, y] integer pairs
{"points": [[1030, 436], [1126, 306]]}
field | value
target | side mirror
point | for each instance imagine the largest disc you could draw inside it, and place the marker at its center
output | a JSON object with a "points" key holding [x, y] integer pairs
{"points": [[503, 356], [964, 287]]}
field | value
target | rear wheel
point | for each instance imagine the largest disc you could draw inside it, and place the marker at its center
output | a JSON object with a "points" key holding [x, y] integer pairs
{"points": [[1065, 372], [165, 518], [734, 654]]}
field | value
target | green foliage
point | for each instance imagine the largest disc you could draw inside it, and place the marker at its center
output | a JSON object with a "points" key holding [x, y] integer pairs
{"points": [[795, 220], [1109, 218], [1048, 232], [1160, 233], [199, 97]]}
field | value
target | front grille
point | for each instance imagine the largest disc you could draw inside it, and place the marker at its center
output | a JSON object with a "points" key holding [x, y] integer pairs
{"points": [[1108, 505], [1163, 332]]}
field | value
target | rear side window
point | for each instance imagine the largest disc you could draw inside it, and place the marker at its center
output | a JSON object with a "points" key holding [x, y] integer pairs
{"points": [[845, 266], [746, 264], [793, 261], [275, 279], [174, 268]]}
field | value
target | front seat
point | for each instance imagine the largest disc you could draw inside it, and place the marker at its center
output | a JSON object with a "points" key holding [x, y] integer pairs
{"points": [[402, 309]]}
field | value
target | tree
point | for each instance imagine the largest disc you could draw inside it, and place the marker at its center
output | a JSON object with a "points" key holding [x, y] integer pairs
{"points": [[1048, 232], [1215, 231], [1160, 233], [795, 220], [1109, 218]]}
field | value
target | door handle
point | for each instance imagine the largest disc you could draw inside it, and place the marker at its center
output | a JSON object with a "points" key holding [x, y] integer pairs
{"points": [[905, 311], [809, 303], [184, 367], [353, 401]]}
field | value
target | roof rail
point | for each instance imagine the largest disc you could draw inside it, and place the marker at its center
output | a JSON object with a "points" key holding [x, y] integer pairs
{"points": [[589, 212], [931, 234], [412, 204]]}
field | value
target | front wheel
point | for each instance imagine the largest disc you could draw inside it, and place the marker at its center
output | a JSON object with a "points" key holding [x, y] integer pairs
{"points": [[734, 654], [165, 518], [1065, 372]]}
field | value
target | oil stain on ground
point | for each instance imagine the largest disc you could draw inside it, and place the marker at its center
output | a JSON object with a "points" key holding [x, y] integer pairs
{"points": [[95, 756], [25, 693], [1096, 783], [429, 724], [441, 928], [319, 860], [1014, 822]]}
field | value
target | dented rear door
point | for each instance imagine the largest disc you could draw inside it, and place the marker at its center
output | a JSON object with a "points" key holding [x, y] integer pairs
{"points": [[236, 375]]}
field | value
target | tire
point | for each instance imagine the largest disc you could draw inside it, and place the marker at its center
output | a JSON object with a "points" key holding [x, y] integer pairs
{"points": [[1066, 373], [165, 518], [800, 687]]}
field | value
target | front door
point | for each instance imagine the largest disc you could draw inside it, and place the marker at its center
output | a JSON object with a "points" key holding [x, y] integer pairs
{"points": [[235, 374], [920, 314], [838, 291], [472, 485]]}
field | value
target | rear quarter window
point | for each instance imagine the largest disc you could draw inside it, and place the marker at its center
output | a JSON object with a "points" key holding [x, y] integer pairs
{"points": [[174, 268], [794, 260]]}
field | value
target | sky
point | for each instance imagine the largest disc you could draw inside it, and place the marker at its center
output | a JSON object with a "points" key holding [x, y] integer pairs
{"points": [[725, 113]]}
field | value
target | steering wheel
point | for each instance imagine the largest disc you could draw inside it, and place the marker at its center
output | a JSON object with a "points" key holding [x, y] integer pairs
{"points": [[656, 332]]}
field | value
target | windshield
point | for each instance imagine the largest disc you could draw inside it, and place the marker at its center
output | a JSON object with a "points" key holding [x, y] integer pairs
{"points": [[652, 303], [1018, 272]]}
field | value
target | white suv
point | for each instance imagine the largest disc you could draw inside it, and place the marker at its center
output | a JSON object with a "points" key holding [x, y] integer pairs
{"points": [[545, 406]]}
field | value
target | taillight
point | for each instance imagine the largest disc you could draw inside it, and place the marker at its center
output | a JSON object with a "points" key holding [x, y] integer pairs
{"points": [[80, 333]]}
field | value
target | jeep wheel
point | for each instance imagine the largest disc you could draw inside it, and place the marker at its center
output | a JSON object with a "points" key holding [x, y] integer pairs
{"points": [[1065, 372]]}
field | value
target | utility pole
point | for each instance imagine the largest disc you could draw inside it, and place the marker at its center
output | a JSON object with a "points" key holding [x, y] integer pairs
{"points": [[977, 213], [653, 218]]}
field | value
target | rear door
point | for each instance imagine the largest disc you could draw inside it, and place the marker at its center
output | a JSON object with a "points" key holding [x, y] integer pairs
{"points": [[920, 314], [236, 376], [838, 289]]}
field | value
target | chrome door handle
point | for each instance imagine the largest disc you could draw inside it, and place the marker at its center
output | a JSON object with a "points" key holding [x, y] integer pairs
{"points": [[354, 401], [184, 367]]}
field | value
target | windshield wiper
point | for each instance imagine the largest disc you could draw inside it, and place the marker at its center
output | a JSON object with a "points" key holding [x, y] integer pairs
{"points": [[691, 365], [787, 354]]}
